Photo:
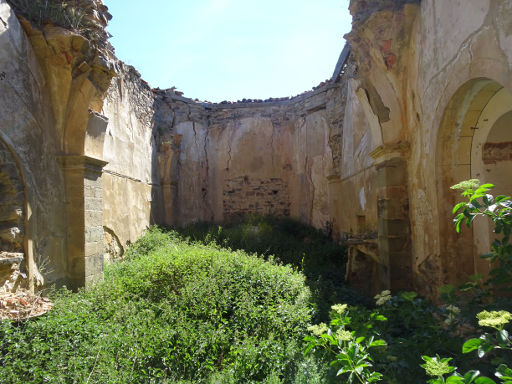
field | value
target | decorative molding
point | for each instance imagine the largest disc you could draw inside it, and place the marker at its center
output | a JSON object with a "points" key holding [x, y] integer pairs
{"points": [[388, 151], [81, 162]]}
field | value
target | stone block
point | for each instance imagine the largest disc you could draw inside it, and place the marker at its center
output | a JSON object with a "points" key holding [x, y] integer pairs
{"points": [[94, 265], [93, 218], [93, 234], [93, 204]]}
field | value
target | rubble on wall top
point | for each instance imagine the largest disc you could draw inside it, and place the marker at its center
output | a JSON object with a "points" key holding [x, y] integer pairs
{"points": [[339, 71], [177, 95], [363, 9], [88, 18]]}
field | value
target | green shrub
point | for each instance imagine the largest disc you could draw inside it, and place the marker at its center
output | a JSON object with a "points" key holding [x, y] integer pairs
{"points": [[303, 247], [173, 312]]}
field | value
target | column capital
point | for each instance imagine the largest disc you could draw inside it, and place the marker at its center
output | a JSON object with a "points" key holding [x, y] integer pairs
{"points": [[82, 163], [389, 151]]}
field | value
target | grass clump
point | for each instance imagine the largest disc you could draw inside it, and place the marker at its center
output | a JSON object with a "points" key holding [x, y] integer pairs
{"points": [[174, 311]]}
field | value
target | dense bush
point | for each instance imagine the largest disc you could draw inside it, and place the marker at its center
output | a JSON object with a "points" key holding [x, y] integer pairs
{"points": [[173, 312], [306, 249]]}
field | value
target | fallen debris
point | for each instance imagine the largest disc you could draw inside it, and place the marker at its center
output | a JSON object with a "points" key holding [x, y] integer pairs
{"points": [[23, 305]]}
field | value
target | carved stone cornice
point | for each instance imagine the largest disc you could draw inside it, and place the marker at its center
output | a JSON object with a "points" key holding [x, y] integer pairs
{"points": [[389, 151]]}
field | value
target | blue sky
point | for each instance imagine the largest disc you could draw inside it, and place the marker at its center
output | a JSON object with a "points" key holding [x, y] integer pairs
{"points": [[230, 49]]}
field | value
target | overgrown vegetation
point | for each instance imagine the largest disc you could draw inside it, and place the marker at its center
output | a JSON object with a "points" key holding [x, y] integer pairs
{"points": [[290, 242], [184, 311], [403, 338], [173, 312]]}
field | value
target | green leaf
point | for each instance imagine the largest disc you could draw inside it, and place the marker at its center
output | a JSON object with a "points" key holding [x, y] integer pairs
{"points": [[486, 186], [470, 376], [457, 226], [504, 372], [503, 335], [471, 345], [484, 380], [378, 343], [454, 380], [458, 206], [309, 348], [484, 349]]}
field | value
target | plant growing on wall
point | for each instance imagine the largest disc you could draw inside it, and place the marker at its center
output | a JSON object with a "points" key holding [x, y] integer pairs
{"points": [[66, 14]]}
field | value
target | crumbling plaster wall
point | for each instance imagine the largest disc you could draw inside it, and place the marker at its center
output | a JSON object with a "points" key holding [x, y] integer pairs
{"points": [[27, 129], [454, 43], [370, 155], [130, 179], [426, 71], [220, 161]]}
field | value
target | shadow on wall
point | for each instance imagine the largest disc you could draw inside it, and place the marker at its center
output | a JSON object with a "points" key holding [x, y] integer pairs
{"points": [[474, 142]]}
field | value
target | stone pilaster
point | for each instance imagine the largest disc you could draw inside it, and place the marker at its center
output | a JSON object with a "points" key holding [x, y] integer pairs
{"points": [[394, 232], [84, 217]]}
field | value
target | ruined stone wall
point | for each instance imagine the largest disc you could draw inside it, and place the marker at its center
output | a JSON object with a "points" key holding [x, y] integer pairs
{"points": [[29, 149], [434, 77], [457, 44], [130, 179], [220, 161], [423, 103]]}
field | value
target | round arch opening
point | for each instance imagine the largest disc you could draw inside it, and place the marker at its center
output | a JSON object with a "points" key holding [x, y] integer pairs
{"points": [[474, 141]]}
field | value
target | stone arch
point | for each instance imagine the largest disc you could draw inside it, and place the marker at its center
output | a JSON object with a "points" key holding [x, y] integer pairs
{"points": [[491, 162], [459, 140], [13, 209]]}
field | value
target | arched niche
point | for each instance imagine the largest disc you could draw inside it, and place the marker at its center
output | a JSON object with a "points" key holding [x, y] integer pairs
{"points": [[491, 162], [467, 122]]}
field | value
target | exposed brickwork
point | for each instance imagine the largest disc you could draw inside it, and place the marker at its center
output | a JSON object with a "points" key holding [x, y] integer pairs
{"points": [[494, 152], [244, 195]]}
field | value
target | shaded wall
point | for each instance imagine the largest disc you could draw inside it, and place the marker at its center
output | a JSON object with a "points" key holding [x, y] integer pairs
{"points": [[27, 130]]}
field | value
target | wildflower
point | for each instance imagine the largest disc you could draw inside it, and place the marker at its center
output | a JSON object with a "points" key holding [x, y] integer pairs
{"points": [[437, 367], [383, 297], [466, 184], [494, 319], [450, 320], [319, 329], [339, 308], [453, 309], [343, 335]]}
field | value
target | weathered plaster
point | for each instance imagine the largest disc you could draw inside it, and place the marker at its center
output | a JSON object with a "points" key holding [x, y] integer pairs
{"points": [[369, 155]]}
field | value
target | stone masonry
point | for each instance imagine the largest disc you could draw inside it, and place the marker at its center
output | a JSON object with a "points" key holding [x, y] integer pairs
{"points": [[244, 196], [91, 155]]}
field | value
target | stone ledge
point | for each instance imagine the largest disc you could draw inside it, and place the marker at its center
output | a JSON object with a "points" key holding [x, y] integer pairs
{"points": [[7, 258]]}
